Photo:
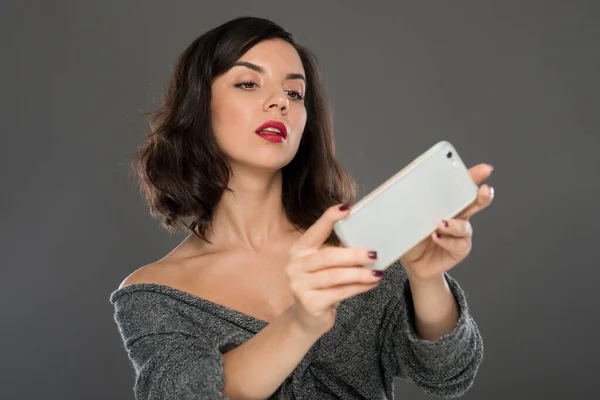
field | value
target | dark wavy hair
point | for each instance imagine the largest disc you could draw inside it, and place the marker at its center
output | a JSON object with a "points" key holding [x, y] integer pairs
{"points": [[181, 171]]}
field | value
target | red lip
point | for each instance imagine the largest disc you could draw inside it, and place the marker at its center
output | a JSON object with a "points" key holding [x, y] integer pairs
{"points": [[273, 124]]}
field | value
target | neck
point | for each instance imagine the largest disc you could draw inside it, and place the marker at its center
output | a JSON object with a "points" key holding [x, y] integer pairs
{"points": [[252, 217]]}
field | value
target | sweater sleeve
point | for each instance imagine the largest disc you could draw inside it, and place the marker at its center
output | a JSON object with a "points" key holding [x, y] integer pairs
{"points": [[171, 358], [445, 367]]}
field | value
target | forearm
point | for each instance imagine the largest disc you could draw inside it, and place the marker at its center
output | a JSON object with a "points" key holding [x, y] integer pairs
{"points": [[255, 369], [436, 309]]}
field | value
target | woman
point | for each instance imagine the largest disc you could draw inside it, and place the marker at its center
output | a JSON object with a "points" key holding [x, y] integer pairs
{"points": [[261, 301]]}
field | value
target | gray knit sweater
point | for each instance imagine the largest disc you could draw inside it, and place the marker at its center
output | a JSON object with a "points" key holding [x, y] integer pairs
{"points": [[176, 340]]}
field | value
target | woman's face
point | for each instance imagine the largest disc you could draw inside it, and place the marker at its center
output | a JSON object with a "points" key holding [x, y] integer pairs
{"points": [[266, 84]]}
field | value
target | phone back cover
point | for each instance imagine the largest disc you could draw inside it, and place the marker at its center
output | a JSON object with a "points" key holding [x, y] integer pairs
{"points": [[408, 207]]}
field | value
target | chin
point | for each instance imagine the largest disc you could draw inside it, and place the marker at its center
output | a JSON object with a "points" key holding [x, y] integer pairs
{"points": [[260, 159], [274, 163], [272, 166]]}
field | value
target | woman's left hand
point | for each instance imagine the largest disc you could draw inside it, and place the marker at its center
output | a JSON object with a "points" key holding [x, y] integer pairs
{"points": [[451, 242]]}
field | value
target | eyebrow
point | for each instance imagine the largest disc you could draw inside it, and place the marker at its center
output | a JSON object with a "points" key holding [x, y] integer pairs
{"points": [[261, 70]]}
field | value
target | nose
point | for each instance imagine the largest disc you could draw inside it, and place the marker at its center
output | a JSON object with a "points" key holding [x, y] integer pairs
{"points": [[278, 100]]}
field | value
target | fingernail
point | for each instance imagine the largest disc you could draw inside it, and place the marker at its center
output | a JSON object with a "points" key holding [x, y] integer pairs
{"points": [[377, 272], [491, 191], [445, 223], [491, 167], [439, 235], [373, 255], [344, 207]]}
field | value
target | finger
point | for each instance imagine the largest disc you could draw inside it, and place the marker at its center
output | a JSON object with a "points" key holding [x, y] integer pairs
{"points": [[480, 172], [320, 231], [485, 195], [331, 256], [332, 277], [456, 246], [455, 228]]}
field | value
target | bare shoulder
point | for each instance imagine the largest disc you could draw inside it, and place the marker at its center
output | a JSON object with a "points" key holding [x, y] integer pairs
{"points": [[172, 269], [159, 272]]}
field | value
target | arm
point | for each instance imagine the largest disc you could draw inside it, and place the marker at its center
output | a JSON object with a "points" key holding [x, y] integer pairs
{"points": [[436, 309], [446, 366], [256, 368], [174, 360], [187, 368]]}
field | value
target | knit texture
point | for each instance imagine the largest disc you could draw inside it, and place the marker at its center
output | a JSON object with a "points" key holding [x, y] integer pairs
{"points": [[176, 341]]}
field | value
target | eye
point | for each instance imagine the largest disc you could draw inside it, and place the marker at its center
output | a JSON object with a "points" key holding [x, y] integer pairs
{"points": [[296, 95], [245, 84]]}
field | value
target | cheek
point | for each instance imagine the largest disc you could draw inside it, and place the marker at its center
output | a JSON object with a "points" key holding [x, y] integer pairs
{"points": [[297, 120], [230, 120]]}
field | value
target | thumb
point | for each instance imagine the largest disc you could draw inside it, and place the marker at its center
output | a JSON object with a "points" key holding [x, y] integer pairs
{"points": [[319, 232]]}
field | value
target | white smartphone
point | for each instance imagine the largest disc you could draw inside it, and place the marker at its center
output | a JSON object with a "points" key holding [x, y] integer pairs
{"points": [[407, 208]]}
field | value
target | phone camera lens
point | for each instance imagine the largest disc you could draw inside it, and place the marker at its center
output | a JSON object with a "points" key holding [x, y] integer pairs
{"points": [[449, 155]]}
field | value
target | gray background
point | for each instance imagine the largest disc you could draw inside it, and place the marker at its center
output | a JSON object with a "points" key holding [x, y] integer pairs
{"points": [[514, 83]]}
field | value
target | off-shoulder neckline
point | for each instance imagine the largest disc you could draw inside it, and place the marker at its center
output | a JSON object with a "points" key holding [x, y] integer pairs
{"points": [[187, 298], [205, 304]]}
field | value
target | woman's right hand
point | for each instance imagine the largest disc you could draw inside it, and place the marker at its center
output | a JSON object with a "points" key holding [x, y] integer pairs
{"points": [[322, 276]]}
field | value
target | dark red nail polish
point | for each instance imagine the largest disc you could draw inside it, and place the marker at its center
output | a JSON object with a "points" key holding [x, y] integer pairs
{"points": [[439, 235], [446, 223], [344, 207], [377, 273], [373, 255]]}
